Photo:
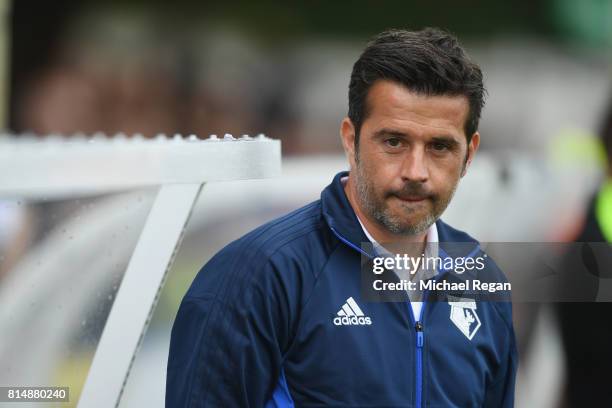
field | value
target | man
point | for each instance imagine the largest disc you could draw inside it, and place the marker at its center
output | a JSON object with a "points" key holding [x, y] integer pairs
{"points": [[587, 350], [276, 318]]}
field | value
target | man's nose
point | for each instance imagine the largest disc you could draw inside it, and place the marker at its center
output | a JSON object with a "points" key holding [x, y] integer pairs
{"points": [[414, 166]]}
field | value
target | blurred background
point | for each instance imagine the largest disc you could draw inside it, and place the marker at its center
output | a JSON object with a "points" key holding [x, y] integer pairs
{"points": [[150, 67]]}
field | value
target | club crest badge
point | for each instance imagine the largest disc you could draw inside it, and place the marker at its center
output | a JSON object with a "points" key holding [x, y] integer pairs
{"points": [[463, 315]]}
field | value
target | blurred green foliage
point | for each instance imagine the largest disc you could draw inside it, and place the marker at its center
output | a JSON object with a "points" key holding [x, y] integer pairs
{"points": [[275, 20], [586, 22]]}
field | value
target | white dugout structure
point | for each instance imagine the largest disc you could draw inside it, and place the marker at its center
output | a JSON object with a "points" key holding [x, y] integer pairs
{"points": [[54, 167]]}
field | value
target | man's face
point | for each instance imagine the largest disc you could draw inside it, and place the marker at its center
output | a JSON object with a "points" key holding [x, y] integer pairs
{"points": [[411, 154]]}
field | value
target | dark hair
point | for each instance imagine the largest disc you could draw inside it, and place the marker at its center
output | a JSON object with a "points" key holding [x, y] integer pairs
{"points": [[429, 62]]}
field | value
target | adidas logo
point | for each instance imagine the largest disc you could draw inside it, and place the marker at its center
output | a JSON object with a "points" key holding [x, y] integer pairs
{"points": [[351, 315]]}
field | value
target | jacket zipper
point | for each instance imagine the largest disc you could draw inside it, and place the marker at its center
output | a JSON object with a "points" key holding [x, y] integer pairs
{"points": [[419, 362], [418, 327], [419, 343]]}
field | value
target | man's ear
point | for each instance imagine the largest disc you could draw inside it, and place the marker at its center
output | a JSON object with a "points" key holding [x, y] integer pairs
{"points": [[471, 152], [347, 134]]}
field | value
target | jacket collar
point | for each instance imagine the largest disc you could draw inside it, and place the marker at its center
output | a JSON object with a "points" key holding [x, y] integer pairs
{"points": [[338, 212]]}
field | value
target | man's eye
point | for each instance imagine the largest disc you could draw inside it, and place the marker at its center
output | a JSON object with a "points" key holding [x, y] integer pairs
{"points": [[440, 147], [393, 142]]}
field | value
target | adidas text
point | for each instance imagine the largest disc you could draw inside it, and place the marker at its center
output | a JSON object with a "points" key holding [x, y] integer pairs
{"points": [[352, 321]]}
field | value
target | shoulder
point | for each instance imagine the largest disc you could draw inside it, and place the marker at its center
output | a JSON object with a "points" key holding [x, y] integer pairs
{"points": [[275, 235], [277, 250], [459, 243], [446, 233]]}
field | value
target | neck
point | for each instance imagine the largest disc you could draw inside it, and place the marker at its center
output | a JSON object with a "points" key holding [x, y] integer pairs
{"points": [[378, 232]]}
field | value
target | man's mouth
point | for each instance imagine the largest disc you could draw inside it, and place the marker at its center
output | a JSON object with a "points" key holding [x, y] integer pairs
{"points": [[411, 198]]}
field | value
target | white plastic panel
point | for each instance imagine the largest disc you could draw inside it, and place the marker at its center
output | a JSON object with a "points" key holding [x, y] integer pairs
{"points": [[57, 167]]}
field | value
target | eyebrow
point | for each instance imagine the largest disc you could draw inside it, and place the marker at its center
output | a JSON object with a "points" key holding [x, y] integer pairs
{"points": [[389, 132], [447, 140]]}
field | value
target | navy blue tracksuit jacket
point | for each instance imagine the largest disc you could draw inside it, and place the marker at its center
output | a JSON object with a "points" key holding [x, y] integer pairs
{"points": [[259, 327]]}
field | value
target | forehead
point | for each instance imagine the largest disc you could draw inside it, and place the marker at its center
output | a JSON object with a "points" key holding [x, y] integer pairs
{"points": [[392, 105]]}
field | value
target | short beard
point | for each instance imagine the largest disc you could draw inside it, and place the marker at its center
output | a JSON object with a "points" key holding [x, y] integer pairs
{"points": [[378, 211]]}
